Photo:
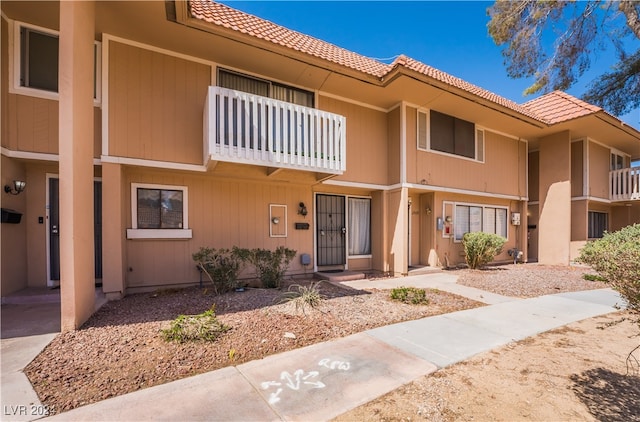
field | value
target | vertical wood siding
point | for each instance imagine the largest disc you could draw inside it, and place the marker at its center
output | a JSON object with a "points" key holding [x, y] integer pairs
{"points": [[155, 105], [222, 213], [577, 175], [366, 141], [599, 164], [503, 170]]}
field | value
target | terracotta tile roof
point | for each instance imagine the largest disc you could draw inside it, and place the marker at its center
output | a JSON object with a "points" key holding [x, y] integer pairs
{"points": [[558, 106], [227, 17]]}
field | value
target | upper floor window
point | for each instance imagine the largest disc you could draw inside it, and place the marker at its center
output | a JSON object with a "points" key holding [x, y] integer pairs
{"points": [[619, 161], [36, 53], [264, 88], [38, 59], [450, 135]]}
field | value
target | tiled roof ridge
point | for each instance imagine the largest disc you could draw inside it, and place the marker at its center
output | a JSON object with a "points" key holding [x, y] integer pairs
{"points": [[228, 17]]}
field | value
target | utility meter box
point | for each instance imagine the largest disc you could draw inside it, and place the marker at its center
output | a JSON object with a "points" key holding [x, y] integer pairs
{"points": [[515, 218]]}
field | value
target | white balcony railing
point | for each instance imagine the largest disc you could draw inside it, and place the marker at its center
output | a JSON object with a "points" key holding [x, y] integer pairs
{"points": [[624, 184], [250, 129]]}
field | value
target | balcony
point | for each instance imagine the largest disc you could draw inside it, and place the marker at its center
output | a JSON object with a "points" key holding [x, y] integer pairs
{"points": [[250, 129], [624, 184]]}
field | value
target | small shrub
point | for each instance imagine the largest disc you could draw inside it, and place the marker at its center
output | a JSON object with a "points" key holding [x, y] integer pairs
{"points": [[221, 266], [270, 265], [481, 248], [304, 296], [411, 295], [593, 277], [616, 257], [204, 326]]}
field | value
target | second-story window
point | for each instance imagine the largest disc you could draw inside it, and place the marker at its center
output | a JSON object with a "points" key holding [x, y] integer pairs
{"points": [[440, 132], [38, 60], [36, 50], [264, 88]]}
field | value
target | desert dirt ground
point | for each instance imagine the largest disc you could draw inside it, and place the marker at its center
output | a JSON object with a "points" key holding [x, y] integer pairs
{"points": [[574, 373], [120, 349]]}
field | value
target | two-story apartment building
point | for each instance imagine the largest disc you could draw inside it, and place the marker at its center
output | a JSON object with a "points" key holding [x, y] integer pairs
{"points": [[145, 130]]}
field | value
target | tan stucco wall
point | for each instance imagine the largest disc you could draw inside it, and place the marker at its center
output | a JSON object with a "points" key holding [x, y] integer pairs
{"points": [[14, 244], [155, 105], [554, 225], [579, 220]]}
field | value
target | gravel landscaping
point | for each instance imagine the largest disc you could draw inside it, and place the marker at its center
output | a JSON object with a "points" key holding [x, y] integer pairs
{"points": [[121, 348]]}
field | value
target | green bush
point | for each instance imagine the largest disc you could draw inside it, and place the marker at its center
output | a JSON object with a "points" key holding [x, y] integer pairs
{"points": [[410, 295], [221, 266], [616, 257], [481, 248], [204, 326], [270, 265]]}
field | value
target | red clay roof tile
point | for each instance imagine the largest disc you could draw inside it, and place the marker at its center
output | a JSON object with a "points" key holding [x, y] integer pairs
{"points": [[558, 106]]}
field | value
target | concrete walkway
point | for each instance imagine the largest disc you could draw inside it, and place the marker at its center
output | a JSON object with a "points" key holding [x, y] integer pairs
{"points": [[325, 380]]}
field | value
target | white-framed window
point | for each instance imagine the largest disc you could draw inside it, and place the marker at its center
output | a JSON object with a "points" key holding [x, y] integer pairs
{"points": [[35, 62], [359, 226], [619, 160], [470, 218], [598, 224], [159, 212], [441, 133]]}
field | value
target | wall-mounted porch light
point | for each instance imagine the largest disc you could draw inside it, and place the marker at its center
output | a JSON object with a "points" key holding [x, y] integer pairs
{"points": [[302, 209], [18, 186]]}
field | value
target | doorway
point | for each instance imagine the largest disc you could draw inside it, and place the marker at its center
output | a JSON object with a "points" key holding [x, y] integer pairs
{"points": [[53, 231], [331, 230]]}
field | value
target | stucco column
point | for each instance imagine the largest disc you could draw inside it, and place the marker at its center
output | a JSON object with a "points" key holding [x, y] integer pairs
{"points": [[398, 207], [554, 224], [76, 58], [113, 228]]}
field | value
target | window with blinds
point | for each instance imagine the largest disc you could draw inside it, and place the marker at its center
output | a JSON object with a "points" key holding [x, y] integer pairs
{"points": [[443, 133], [598, 224], [264, 88], [479, 218]]}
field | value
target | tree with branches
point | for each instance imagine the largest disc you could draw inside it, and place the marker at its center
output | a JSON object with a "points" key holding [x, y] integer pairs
{"points": [[580, 30]]}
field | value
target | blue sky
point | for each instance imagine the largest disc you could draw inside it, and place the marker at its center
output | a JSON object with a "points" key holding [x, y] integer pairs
{"points": [[449, 35]]}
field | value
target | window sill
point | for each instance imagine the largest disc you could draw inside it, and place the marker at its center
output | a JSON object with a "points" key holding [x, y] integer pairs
{"points": [[159, 234]]}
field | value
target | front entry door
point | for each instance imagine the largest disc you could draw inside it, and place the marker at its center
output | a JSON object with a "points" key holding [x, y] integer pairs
{"points": [[54, 230], [331, 230]]}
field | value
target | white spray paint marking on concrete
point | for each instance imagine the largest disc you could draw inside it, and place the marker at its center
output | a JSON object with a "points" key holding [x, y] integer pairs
{"points": [[301, 379]]}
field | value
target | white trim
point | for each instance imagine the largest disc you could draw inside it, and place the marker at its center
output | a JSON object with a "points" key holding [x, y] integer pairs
{"points": [[476, 127], [135, 233], [359, 185], [153, 163], [14, 63], [591, 198], [430, 188], [483, 206], [465, 192], [159, 234], [47, 226], [40, 156], [533, 203], [271, 223]]}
